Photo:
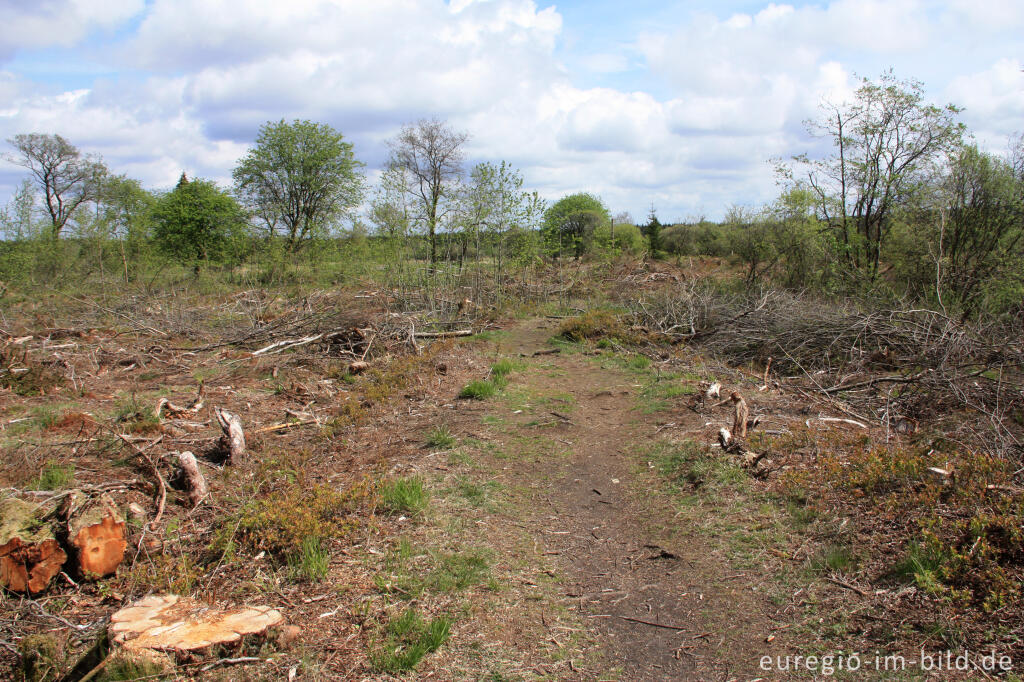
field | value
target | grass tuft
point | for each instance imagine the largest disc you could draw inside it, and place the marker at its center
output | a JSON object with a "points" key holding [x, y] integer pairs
{"points": [[440, 437], [407, 639], [404, 496], [55, 476], [478, 389], [311, 562]]}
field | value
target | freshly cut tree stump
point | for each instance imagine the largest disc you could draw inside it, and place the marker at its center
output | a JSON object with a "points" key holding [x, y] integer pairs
{"points": [[180, 625], [96, 536], [29, 553]]}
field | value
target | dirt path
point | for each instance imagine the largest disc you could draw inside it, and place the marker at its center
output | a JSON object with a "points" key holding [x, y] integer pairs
{"points": [[658, 601]]}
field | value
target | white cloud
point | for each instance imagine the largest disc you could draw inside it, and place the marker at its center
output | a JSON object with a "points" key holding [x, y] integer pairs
{"points": [[63, 23], [725, 92], [993, 102]]}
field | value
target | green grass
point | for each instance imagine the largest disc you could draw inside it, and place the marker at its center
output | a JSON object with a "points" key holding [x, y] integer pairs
{"points": [[478, 389], [440, 437], [503, 367], [409, 573], [407, 639], [690, 464], [834, 557], [54, 476], [404, 496], [312, 562], [134, 417], [922, 565], [477, 494]]}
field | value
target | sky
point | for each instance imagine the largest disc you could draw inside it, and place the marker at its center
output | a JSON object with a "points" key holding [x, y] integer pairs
{"points": [[676, 105]]}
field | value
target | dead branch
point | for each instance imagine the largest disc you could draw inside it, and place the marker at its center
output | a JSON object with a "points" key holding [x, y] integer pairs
{"points": [[161, 485], [443, 335]]}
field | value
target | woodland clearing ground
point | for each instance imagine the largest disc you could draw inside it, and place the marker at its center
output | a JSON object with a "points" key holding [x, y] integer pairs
{"points": [[560, 529]]}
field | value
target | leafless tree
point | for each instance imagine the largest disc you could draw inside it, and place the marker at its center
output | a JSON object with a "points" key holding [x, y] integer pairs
{"points": [[67, 177], [431, 153]]}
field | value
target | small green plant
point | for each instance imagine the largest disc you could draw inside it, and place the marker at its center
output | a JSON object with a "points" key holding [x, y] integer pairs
{"points": [[832, 558], [500, 371], [55, 476], [404, 496], [922, 565], [124, 668], [638, 362], [478, 389], [311, 562], [407, 639], [134, 417], [440, 437]]}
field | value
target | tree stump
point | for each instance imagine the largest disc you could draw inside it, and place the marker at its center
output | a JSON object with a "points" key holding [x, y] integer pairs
{"points": [[29, 553], [96, 536], [183, 626], [191, 477], [233, 439]]}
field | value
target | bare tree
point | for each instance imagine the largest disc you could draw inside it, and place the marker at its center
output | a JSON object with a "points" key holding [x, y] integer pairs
{"points": [[67, 177], [431, 153]]}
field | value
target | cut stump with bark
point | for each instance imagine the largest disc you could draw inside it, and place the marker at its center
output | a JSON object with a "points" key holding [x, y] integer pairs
{"points": [[96, 536], [29, 553], [183, 626]]}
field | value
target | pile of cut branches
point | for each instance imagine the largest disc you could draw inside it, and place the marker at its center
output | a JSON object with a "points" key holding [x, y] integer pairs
{"points": [[912, 362]]}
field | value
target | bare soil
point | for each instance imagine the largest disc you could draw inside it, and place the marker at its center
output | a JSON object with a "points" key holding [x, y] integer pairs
{"points": [[659, 602]]}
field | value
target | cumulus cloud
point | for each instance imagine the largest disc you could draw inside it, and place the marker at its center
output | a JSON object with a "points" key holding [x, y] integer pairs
{"points": [[189, 85], [63, 23]]}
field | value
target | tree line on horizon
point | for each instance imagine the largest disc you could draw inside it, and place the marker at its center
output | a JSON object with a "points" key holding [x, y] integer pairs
{"points": [[905, 205]]}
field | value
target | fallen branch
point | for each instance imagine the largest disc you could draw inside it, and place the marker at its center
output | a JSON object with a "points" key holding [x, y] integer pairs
{"points": [[442, 335], [279, 346], [161, 485], [653, 624], [285, 425], [841, 583], [838, 420]]}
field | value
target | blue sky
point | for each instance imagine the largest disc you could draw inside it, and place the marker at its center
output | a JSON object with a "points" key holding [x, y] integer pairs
{"points": [[680, 105]]}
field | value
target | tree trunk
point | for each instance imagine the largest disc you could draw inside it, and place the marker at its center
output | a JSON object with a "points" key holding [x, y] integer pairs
{"points": [[29, 553]]}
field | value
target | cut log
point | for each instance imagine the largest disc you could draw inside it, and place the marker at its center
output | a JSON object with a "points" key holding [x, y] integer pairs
{"points": [[29, 553], [181, 626], [358, 367], [96, 537], [234, 436], [191, 477]]}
